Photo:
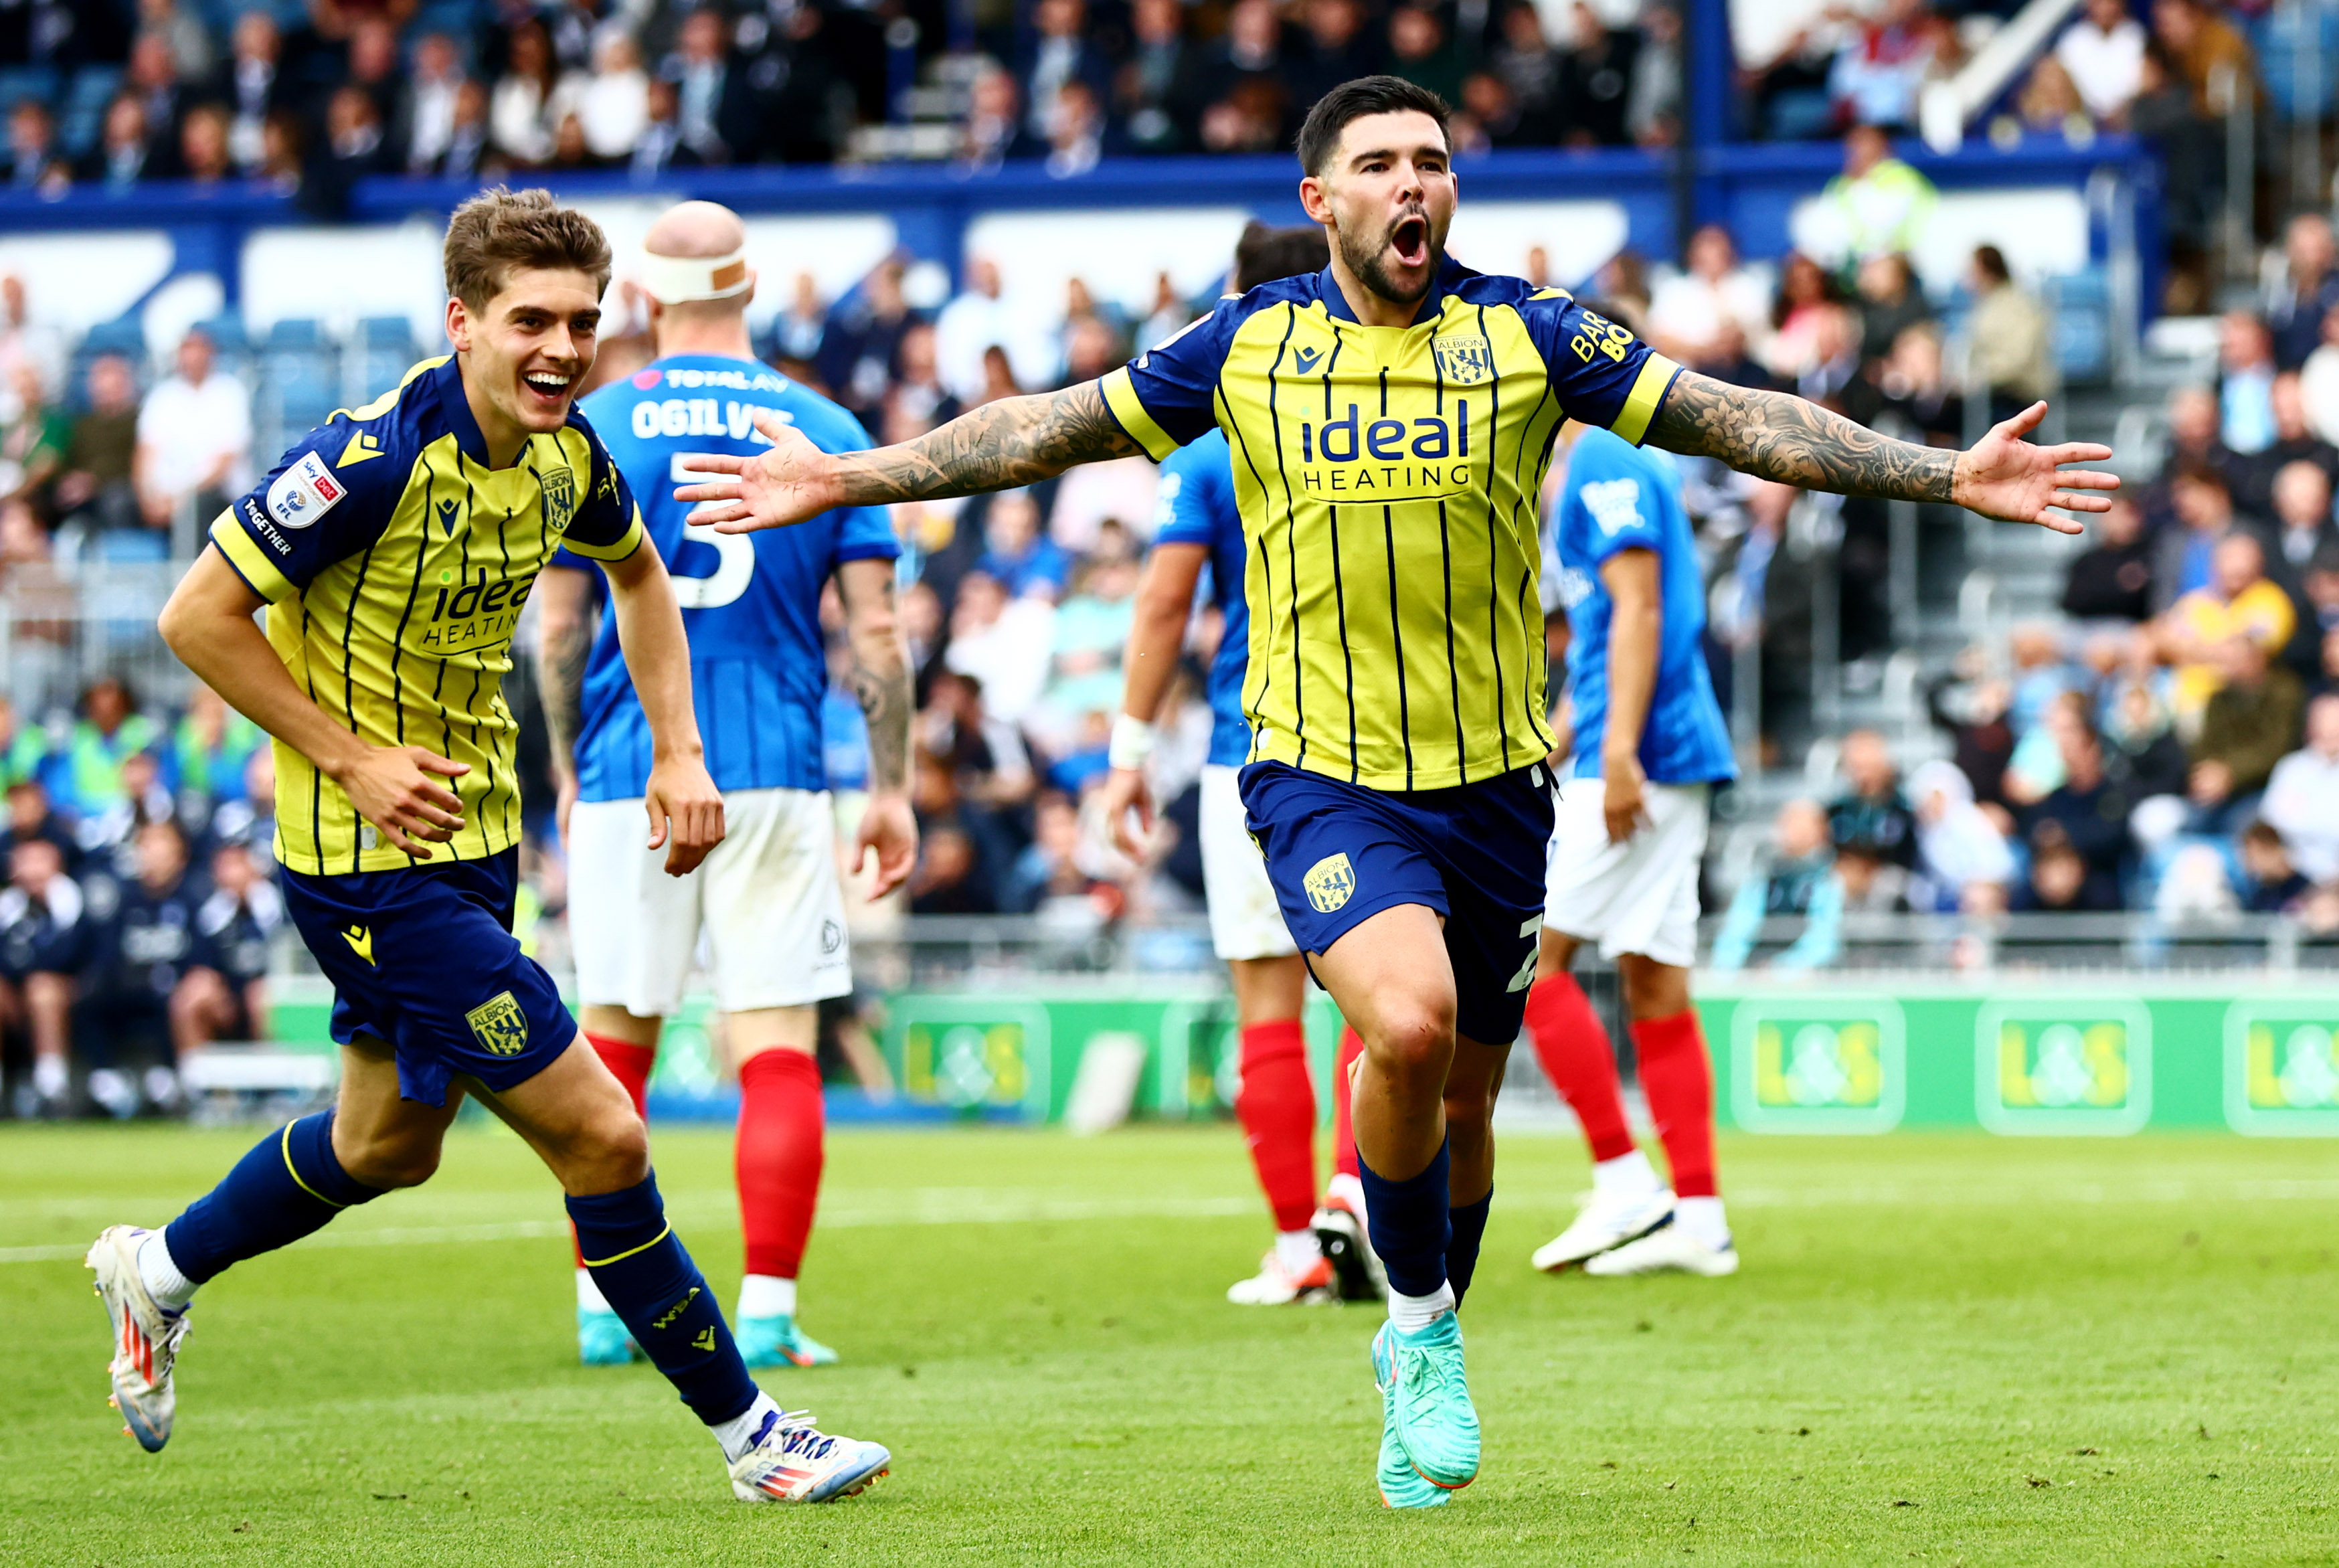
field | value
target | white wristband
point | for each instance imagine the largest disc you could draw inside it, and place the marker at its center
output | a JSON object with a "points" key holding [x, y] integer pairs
{"points": [[1132, 743]]}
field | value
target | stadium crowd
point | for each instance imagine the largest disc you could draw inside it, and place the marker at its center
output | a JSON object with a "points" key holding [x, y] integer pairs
{"points": [[307, 98]]}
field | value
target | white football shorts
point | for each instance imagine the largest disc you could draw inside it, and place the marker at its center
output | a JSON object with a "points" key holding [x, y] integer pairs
{"points": [[1639, 896], [768, 899], [1244, 920]]}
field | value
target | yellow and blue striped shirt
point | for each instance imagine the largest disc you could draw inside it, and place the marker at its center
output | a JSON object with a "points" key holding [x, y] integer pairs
{"points": [[395, 562], [1388, 480]]}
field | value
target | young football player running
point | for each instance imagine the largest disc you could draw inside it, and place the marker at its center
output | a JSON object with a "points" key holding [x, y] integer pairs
{"points": [[393, 548], [1650, 745], [1319, 1252], [769, 896], [1390, 420]]}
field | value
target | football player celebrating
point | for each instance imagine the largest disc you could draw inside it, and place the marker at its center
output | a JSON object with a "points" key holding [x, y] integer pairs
{"points": [[769, 896], [1650, 745], [1319, 1253], [393, 548], [1390, 419]]}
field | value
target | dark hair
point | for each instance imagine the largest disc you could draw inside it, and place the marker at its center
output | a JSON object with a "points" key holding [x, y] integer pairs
{"points": [[500, 230], [1263, 254], [2264, 834], [1990, 262], [2197, 472], [1355, 100]]}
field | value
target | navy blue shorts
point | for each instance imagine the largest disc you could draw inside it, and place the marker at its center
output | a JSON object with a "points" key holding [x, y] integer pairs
{"points": [[425, 960], [1338, 852]]}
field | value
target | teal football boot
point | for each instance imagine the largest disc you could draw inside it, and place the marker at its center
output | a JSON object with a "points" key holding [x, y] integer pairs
{"points": [[1429, 1400], [778, 1342], [602, 1339], [1400, 1483]]}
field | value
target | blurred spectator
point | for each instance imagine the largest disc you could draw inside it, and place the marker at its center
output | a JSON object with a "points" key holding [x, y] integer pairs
{"points": [[32, 442], [1419, 51], [1337, 48], [153, 79], [2167, 116], [194, 437], [2199, 41], [2111, 579], [469, 146], [2194, 885], [1060, 51], [1872, 809], [1872, 883], [23, 749], [1531, 68], [2009, 337], [612, 102], [1975, 714], [44, 943], [2272, 884], [1881, 67], [189, 39], [2104, 54], [284, 151], [110, 832], [2061, 880], [126, 147], [1806, 298], [1002, 642], [423, 128], [2239, 601], [147, 955], [994, 121], [1890, 303], [2308, 289], [101, 454], [1879, 204], [2141, 752], [2302, 528], [210, 748], [1016, 553], [715, 110], [202, 146], [2193, 443], [520, 111], [2184, 560], [1688, 309], [2088, 809], [34, 162], [226, 996], [1962, 860], [1798, 879], [352, 149], [2302, 794], [976, 321], [1076, 133], [858, 344], [2245, 383], [2049, 103], [2295, 441], [1652, 113], [255, 85], [111, 729], [1596, 82], [945, 881], [1153, 91], [2250, 724]]}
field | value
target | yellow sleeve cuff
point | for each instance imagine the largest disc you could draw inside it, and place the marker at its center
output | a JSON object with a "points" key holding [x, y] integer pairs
{"points": [[1657, 374], [250, 561], [626, 546], [1121, 396]]}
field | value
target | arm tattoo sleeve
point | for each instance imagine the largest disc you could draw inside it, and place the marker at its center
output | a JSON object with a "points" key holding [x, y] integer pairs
{"points": [[1013, 442], [560, 677], [879, 680], [1781, 436]]}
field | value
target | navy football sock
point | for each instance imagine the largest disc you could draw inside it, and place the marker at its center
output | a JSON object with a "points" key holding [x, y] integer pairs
{"points": [[288, 1186], [651, 1283], [1409, 1224], [1469, 1221]]}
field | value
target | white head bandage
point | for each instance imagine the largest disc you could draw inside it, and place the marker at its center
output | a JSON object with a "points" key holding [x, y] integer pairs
{"points": [[673, 279]]}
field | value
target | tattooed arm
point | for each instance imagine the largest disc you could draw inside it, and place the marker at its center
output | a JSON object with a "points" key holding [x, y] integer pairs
{"points": [[1781, 436], [1013, 442], [1016, 441], [881, 680]]}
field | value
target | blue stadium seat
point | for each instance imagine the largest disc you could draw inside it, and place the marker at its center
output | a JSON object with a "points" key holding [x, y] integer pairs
{"points": [[2083, 326], [82, 113], [21, 82], [385, 352], [299, 381]]}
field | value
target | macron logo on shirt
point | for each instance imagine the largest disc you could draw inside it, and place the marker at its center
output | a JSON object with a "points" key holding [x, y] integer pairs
{"points": [[1614, 504]]}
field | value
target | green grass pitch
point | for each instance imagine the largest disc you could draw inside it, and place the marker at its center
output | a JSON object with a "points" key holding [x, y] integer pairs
{"points": [[1944, 1349]]}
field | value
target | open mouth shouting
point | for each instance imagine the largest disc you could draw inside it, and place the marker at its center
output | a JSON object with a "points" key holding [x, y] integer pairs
{"points": [[1409, 240], [546, 392]]}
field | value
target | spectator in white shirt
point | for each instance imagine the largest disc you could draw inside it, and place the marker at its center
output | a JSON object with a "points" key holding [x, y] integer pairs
{"points": [[1687, 314], [979, 318], [426, 118], [516, 117], [2302, 796], [194, 437], [2103, 53], [612, 104]]}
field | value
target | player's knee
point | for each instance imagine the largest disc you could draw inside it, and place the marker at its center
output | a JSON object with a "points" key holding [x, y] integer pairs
{"points": [[611, 1151], [392, 1162], [1415, 1037], [1470, 1109]]}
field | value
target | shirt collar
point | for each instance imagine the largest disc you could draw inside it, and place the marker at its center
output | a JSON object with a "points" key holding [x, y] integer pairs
{"points": [[457, 408], [1327, 288]]}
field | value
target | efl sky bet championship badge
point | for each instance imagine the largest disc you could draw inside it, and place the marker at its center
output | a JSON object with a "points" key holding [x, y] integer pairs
{"points": [[305, 491]]}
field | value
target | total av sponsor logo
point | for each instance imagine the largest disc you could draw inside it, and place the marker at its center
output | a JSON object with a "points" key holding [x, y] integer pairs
{"points": [[1832, 1065], [2282, 1067], [2058, 1067]]}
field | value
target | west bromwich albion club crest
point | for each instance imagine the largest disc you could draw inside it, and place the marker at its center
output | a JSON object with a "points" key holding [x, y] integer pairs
{"points": [[1463, 361], [1329, 881], [559, 497], [499, 1024]]}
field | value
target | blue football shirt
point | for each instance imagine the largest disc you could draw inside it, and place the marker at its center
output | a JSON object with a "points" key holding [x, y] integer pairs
{"points": [[750, 602], [1619, 497], [1195, 505]]}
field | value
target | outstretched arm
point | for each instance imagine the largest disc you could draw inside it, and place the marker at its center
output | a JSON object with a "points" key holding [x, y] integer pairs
{"points": [[1013, 442], [1781, 436]]}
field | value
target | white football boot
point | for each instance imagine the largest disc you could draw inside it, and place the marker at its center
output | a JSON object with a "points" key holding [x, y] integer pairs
{"points": [[1605, 1222], [1671, 1250], [146, 1339], [1276, 1286], [794, 1462]]}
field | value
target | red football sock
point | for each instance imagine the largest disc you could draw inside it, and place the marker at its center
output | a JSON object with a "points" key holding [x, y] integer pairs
{"points": [[1678, 1078], [778, 1157], [1277, 1108], [1344, 1120], [632, 1064], [1574, 1049]]}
